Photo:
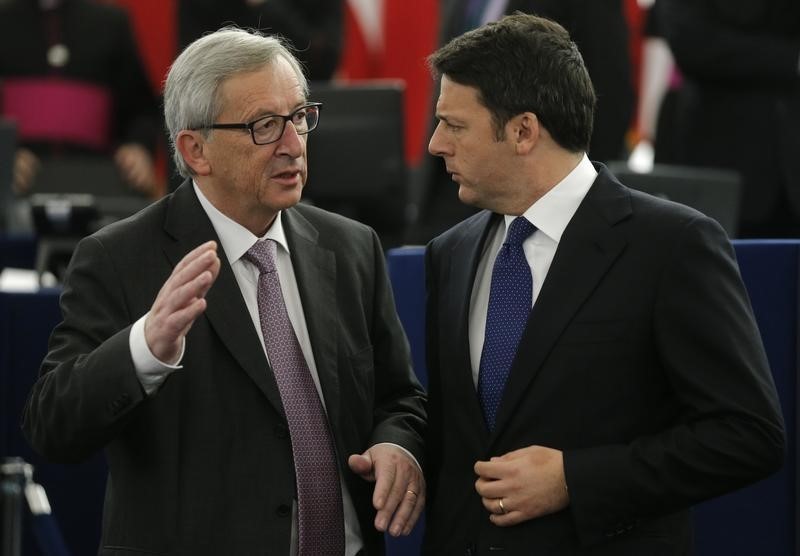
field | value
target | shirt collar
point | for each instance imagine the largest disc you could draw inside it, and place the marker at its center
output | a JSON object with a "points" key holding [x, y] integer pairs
{"points": [[553, 211], [236, 240]]}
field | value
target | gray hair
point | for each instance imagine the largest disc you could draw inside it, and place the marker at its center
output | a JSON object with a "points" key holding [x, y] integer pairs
{"points": [[191, 90]]}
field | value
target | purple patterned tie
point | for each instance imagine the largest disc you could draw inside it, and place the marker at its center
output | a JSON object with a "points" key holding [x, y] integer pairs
{"points": [[319, 497], [509, 306]]}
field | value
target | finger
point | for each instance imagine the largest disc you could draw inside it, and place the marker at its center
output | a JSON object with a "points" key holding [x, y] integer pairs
{"points": [[180, 309], [176, 294], [176, 309], [194, 290], [386, 496], [25, 167], [392, 505], [416, 512], [385, 476], [512, 517], [493, 489], [200, 255], [190, 267], [189, 301], [404, 512], [164, 336], [181, 321], [361, 464], [195, 253], [496, 468], [492, 505]]}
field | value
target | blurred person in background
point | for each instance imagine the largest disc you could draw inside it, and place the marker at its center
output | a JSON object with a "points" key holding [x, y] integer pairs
{"points": [[313, 27], [654, 134], [72, 80], [739, 105]]}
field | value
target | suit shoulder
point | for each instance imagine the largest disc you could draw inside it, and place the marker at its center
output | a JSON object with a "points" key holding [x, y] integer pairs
{"points": [[475, 224], [135, 230], [644, 212], [330, 224], [662, 214]]}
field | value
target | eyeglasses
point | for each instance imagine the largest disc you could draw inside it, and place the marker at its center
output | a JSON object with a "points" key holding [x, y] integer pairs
{"points": [[269, 129]]}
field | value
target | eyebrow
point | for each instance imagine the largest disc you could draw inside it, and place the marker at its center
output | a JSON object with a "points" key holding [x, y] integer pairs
{"points": [[264, 113], [449, 119]]}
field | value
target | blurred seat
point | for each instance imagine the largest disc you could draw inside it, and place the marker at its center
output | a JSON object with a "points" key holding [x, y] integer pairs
{"points": [[356, 164], [97, 176], [72, 197], [714, 192]]}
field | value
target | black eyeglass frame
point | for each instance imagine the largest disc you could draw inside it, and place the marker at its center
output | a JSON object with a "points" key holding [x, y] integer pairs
{"points": [[250, 125]]}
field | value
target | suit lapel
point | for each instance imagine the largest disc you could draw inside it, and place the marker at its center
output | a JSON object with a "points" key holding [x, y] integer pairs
{"points": [[315, 270], [590, 245], [459, 280], [227, 313]]}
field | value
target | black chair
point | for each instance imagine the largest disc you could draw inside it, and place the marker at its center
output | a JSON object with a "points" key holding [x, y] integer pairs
{"points": [[714, 192], [356, 164]]}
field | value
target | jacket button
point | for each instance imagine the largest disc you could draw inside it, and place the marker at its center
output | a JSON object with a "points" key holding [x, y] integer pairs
{"points": [[281, 431], [283, 510]]}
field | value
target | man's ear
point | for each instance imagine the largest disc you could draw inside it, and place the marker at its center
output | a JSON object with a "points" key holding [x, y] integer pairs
{"points": [[525, 132], [191, 146]]}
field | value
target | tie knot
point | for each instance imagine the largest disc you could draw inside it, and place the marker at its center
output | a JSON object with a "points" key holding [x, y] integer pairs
{"points": [[262, 254], [519, 230]]}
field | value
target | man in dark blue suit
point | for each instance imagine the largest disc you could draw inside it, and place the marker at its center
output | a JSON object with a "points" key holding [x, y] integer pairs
{"points": [[593, 377]]}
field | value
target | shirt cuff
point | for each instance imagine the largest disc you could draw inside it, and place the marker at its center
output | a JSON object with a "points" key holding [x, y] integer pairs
{"points": [[409, 454], [150, 371]]}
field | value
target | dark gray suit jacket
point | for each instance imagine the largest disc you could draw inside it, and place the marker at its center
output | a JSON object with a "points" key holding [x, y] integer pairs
{"points": [[204, 466], [641, 360]]}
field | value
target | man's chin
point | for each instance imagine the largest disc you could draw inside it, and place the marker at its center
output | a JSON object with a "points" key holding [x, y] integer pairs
{"points": [[283, 197], [468, 197]]}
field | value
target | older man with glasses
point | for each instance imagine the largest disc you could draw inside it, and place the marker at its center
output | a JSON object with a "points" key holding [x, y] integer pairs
{"points": [[236, 354]]}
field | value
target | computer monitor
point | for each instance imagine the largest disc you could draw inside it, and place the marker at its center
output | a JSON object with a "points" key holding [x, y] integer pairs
{"points": [[714, 192], [356, 163]]}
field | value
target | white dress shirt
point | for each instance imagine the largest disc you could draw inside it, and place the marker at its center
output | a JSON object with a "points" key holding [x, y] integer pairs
{"points": [[550, 215]]}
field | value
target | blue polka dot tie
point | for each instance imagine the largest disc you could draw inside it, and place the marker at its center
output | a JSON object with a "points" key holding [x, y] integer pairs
{"points": [[509, 306], [319, 497]]}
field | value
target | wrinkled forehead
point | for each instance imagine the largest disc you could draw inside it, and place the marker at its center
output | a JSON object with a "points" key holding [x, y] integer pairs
{"points": [[272, 88]]}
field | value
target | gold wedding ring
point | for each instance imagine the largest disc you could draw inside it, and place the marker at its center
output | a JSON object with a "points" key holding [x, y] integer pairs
{"points": [[412, 492], [502, 507]]}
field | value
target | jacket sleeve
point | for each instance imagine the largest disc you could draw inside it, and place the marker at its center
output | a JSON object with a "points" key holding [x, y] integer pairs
{"points": [[730, 431], [87, 383]]}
